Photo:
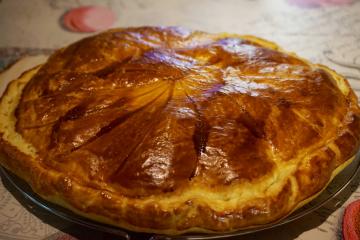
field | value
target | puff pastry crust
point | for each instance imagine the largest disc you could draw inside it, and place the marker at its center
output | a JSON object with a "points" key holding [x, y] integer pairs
{"points": [[166, 130]]}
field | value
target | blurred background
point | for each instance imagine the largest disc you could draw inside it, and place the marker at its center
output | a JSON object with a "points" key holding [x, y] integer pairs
{"points": [[315, 29], [308, 27], [324, 31]]}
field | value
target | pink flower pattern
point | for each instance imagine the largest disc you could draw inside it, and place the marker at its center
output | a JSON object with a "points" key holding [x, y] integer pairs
{"points": [[318, 3]]}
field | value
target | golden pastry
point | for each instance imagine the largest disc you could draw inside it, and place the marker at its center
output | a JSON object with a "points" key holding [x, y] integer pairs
{"points": [[166, 130]]}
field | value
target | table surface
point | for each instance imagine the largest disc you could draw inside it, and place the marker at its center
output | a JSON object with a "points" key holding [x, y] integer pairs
{"points": [[324, 31]]}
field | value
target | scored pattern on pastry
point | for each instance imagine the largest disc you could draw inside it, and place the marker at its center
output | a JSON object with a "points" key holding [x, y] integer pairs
{"points": [[158, 112], [184, 130]]}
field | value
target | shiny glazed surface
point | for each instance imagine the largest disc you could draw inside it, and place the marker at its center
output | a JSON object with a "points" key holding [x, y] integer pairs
{"points": [[153, 110]]}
